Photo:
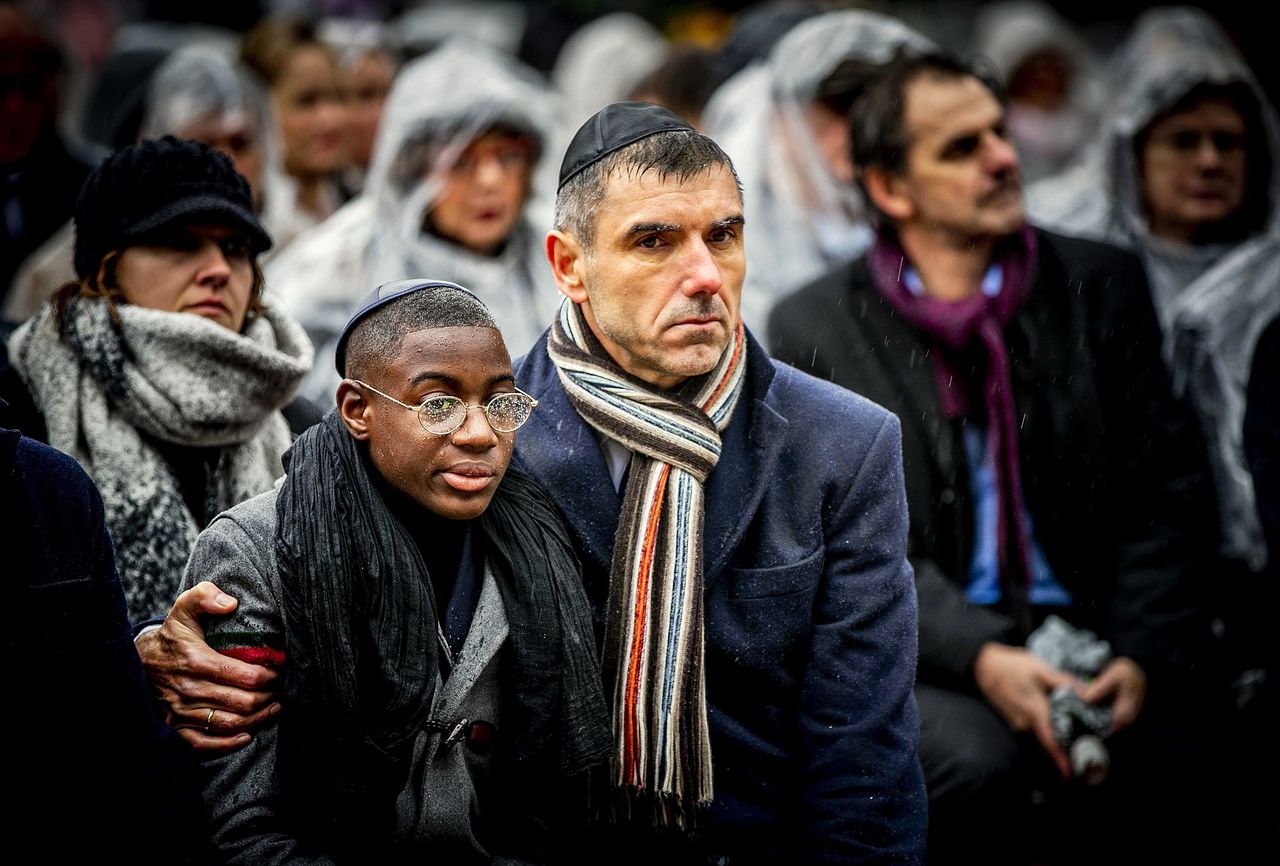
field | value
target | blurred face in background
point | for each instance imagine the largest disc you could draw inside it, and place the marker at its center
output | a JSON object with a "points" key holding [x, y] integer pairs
{"points": [[482, 191], [1193, 171], [308, 106], [1041, 80], [28, 84], [237, 136], [831, 135], [366, 86]]}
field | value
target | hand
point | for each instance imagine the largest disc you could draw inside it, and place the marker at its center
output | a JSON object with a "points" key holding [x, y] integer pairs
{"points": [[1122, 684], [190, 679], [1018, 684]]}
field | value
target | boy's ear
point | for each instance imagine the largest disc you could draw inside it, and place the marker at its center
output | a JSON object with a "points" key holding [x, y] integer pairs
{"points": [[354, 408]]}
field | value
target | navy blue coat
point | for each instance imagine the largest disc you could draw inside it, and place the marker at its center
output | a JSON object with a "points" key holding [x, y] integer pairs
{"points": [[810, 612], [93, 773]]}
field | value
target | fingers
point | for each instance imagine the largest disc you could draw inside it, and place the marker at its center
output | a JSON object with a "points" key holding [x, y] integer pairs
{"points": [[1102, 688], [202, 599], [219, 722], [227, 671], [1051, 678], [193, 693], [203, 742], [1044, 734]]}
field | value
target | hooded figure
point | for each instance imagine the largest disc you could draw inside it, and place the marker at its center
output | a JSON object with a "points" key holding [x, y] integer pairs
{"points": [[602, 61], [1048, 71], [784, 123], [428, 209], [1217, 290]]}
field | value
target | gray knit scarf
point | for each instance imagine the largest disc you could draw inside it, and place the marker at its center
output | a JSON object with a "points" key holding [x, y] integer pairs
{"points": [[104, 388]]}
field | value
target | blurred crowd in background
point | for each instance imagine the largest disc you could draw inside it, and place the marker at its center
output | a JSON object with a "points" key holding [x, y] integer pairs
{"points": [[387, 140]]}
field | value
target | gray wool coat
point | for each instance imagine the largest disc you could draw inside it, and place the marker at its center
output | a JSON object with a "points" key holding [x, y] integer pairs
{"points": [[439, 806]]}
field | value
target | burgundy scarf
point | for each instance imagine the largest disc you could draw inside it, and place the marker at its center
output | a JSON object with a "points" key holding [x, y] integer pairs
{"points": [[953, 326]]}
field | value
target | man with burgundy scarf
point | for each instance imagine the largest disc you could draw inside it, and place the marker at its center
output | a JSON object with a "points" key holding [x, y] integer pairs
{"points": [[1048, 468]]}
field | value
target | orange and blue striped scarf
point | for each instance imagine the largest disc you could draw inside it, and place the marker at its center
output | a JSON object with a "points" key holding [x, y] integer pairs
{"points": [[653, 652]]}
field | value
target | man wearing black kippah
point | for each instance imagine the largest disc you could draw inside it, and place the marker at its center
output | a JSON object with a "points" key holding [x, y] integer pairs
{"points": [[742, 530]]}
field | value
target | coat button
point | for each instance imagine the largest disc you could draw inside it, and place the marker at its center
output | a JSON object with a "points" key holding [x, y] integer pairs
{"points": [[947, 496]]}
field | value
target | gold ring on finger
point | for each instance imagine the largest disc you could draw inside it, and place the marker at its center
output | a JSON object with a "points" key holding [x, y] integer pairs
{"points": [[208, 721]]}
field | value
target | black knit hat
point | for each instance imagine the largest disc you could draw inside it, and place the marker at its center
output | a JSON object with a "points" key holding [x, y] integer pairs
{"points": [[137, 193]]}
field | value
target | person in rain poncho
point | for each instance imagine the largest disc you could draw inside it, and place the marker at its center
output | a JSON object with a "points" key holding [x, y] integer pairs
{"points": [[446, 196], [199, 93], [603, 61], [1050, 83], [1184, 175], [784, 124], [368, 64], [301, 76]]}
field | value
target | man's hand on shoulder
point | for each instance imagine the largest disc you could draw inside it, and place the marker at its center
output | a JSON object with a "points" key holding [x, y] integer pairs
{"points": [[211, 699], [1018, 684]]}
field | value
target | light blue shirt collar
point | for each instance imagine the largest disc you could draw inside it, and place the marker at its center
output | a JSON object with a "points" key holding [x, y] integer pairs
{"points": [[991, 281]]}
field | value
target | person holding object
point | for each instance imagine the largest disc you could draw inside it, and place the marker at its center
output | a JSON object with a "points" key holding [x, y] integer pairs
{"points": [[1049, 467]]}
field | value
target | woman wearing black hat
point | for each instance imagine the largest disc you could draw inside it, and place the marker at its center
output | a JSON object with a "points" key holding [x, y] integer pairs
{"points": [[161, 369]]}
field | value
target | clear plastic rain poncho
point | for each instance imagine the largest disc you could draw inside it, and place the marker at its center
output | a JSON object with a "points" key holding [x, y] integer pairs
{"points": [[602, 61], [802, 220], [198, 85], [1213, 300], [1007, 35], [439, 104]]}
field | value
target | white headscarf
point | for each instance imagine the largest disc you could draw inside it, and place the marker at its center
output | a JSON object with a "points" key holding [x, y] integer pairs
{"points": [[1213, 301]]}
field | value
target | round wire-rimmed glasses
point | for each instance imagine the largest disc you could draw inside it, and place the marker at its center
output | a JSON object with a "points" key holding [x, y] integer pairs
{"points": [[442, 414]]}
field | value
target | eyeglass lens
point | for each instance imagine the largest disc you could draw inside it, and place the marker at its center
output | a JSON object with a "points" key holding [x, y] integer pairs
{"points": [[444, 414]]}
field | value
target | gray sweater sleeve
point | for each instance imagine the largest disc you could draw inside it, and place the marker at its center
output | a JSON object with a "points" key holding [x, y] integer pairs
{"points": [[242, 788]]}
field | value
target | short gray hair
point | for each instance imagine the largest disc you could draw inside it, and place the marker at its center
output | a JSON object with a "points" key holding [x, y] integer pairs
{"points": [[679, 154], [377, 339]]}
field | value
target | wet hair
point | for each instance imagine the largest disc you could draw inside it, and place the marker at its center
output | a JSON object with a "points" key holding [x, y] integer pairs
{"points": [[266, 49], [376, 340], [1255, 209], [877, 123], [678, 154], [842, 87], [683, 82]]}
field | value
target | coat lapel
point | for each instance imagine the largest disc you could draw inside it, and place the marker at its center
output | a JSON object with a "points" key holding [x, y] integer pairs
{"points": [[561, 451], [904, 360], [751, 445], [488, 630]]}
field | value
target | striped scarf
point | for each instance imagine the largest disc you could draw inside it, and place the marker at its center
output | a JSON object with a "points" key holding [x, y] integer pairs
{"points": [[654, 622]]}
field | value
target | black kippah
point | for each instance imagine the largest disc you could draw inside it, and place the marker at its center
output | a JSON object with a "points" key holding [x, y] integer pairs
{"points": [[141, 190], [614, 127]]}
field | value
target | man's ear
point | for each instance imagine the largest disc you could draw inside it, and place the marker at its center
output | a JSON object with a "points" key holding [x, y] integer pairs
{"points": [[568, 265], [355, 409], [888, 193]]}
